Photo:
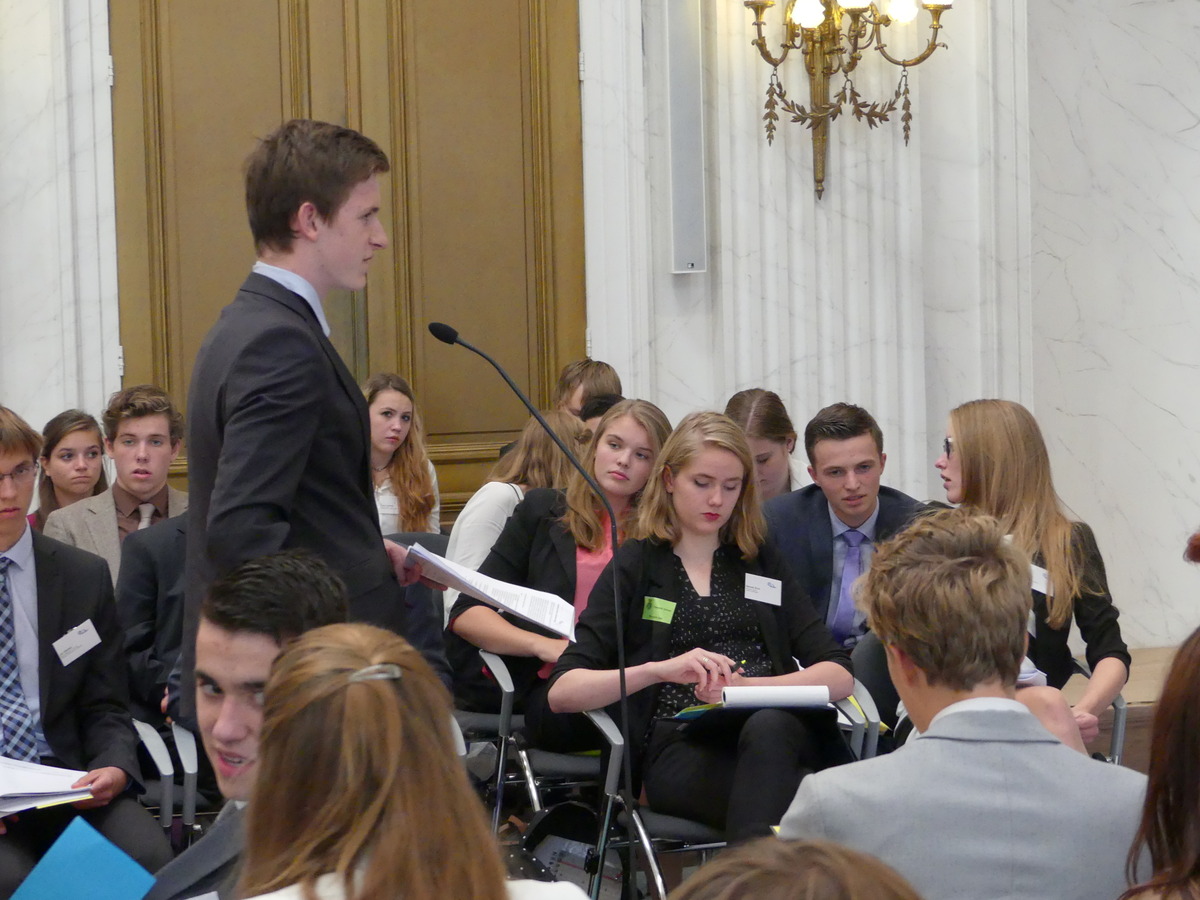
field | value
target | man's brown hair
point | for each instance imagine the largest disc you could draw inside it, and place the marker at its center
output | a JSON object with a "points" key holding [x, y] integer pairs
{"points": [[137, 402], [597, 378], [952, 592], [16, 435], [840, 422], [304, 161]]}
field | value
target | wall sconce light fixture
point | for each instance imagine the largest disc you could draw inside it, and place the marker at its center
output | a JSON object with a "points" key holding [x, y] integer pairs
{"points": [[832, 36]]}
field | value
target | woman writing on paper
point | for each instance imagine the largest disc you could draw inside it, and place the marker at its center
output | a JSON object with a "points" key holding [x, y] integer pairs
{"points": [[557, 542], [691, 629], [995, 460]]}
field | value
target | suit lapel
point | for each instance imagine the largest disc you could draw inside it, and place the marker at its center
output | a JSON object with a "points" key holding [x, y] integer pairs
{"points": [[564, 549], [101, 523], [50, 613], [820, 537]]}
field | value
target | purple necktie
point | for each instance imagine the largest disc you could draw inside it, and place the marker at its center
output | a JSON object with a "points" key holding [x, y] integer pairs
{"points": [[843, 619], [16, 721]]}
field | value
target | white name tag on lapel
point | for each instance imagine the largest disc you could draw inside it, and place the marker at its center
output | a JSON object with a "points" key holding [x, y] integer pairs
{"points": [[764, 590], [76, 642]]}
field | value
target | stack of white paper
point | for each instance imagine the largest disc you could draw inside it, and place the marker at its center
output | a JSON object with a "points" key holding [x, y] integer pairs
{"points": [[26, 785], [540, 607]]}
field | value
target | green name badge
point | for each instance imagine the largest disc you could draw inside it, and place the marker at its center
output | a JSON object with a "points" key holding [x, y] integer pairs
{"points": [[656, 610]]}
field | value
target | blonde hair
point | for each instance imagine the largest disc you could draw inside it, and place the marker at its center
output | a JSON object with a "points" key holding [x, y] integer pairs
{"points": [[656, 519], [408, 469], [358, 777], [594, 375], [1006, 474], [536, 461], [583, 516], [952, 593], [774, 869]]}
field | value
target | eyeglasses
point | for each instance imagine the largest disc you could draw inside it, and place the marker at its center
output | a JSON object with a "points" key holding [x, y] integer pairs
{"points": [[22, 475], [948, 446]]}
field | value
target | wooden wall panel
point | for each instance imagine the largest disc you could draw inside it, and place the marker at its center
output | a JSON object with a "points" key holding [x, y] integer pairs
{"points": [[484, 205]]}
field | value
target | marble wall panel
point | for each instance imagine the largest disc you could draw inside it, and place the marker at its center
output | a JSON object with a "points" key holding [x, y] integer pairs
{"points": [[1116, 337]]}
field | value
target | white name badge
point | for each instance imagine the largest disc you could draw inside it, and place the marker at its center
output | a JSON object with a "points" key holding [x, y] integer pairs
{"points": [[1041, 580], [76, 642], [764, 590]]}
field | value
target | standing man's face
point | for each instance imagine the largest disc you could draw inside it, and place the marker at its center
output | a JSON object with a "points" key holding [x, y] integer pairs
{"points": [[344, 245], [848, 474], [232, 668]]}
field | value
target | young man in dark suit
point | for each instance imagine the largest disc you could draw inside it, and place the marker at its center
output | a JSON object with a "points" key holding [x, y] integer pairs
{"points": [[828, 530], [61, 704], [246, 618], [278, 438]]}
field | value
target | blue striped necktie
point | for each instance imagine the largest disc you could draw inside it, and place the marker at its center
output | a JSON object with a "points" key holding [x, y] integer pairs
{"points": [[17, 740]]}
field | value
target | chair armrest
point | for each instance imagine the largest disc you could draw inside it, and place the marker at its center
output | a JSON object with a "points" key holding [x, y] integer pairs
{"points": [[507, 691], [156, 747], [616, 741]]}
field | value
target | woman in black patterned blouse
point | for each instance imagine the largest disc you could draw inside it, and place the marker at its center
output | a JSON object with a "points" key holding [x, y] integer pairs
{"points": [[707, 605]]}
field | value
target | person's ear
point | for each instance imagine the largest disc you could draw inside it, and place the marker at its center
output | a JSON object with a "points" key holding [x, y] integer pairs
{"points": [[307, 221], [175, 447], [882, 461], [791, 445], [108, 447], [668, 480]]}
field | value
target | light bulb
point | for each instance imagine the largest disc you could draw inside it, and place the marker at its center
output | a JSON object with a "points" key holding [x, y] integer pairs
{"points": [[808, 13], [903, 11]]}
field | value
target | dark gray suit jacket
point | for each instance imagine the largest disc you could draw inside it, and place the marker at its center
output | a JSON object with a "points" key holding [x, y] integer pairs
{"points": [[279, 457], [150, 592], [798, 525], [211, 864], [985, 804], [84, 705]]}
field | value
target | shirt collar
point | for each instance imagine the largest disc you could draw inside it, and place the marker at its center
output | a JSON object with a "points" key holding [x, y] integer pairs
{"points": [[867, 528], [21, 553], [127, 504], [297, 284]]}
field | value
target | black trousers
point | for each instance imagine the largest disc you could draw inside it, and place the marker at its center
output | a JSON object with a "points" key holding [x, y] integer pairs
{"points": [[740, 779], [123, 821], [558, 732]]}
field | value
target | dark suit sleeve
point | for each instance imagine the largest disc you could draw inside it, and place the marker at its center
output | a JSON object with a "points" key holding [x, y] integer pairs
{"points": [[271, 409], [101, 704], [137, 607], [1094, 610], [808, 637]]}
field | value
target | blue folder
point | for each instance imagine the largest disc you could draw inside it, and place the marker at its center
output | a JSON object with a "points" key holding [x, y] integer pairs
{"points": [[83, 863]]}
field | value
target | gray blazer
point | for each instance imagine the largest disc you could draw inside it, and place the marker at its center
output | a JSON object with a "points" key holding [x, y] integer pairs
{"points": [[210, 864], [91, 524], [986, 804]]}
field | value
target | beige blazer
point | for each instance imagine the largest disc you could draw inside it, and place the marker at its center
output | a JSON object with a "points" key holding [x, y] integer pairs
{"points": [[91, 525]]}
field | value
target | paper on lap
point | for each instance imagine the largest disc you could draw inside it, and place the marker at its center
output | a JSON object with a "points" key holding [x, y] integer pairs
{"points": [[764, 697], [539, 607], [26, 785]]}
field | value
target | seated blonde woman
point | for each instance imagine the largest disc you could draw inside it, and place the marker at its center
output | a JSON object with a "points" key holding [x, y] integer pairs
{"points": [[360, 795]]}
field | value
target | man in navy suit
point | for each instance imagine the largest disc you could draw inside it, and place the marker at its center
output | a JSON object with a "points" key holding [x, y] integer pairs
{"points": [[62, 703], [829, 529], [278, 436]]}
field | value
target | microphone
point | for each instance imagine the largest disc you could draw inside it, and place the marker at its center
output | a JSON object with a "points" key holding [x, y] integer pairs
{"points": [[444, 333], [448, 335]]}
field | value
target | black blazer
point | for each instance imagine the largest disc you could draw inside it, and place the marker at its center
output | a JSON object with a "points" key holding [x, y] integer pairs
{"points": [[84, 705], [640, 569], [150, 592], [279, 457], [1094, 613], [534, 550], [211, 864], [798, 525]]}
